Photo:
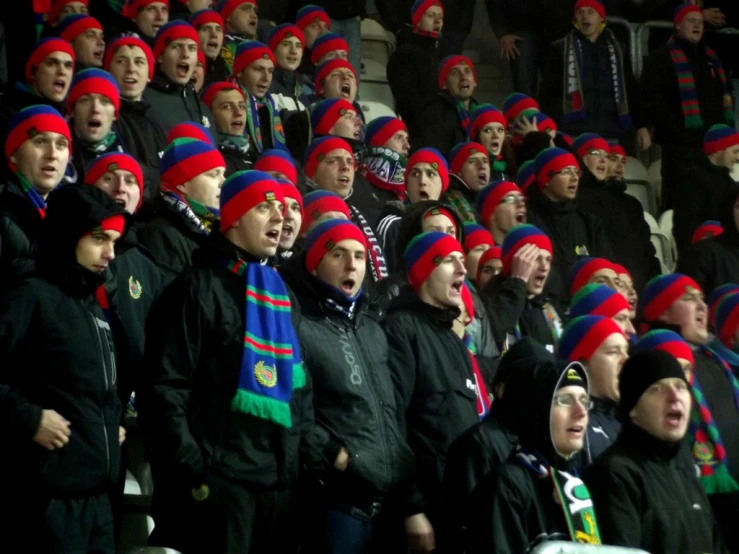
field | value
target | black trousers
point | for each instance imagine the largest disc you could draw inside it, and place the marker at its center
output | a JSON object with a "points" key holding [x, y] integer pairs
{"points": [[232, 520]]}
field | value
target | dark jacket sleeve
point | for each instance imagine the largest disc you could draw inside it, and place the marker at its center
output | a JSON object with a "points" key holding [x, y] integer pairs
{"points": [[401, 76], [176, 329], [20, 417], [433, 127], [402, 362], [551, 93], [689, 204], [504, 301], [532, 144], [497, 19], [641, 260], [698, 262], [601, 243]]}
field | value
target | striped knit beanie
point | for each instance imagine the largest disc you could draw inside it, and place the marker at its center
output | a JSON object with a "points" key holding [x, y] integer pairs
{"points": [[171, 31], [382, 129], [544, 123], [526, 175], [57, 6], [719, 137], [280, 162], [666, 341], [185, 159], [325, 236], [112, 162], [684, 9], [583, 336], [73, 26], [597, 5], [726, 317], [485, 114], [517, 238], [132, 8], [249, 52], [515, 104], [551, 161], [597, 299], [307, 15], [327, 42], [490, 197], [94, 81], [319, 202], [289, 190], [282, 32], [449, 63], [227, 7], [319, 149], [205, 17], [190, 130], [29, 122], [583, 270], [42, 50], [114, 46], [419, 8], [209, 93], [245, 189], [586, 142], [461, 153], [707, 229], [492, 253], [476, 235], [328, 67], [326, 113], [434, 158], [425, 252], [715, 298], [662, 291]]}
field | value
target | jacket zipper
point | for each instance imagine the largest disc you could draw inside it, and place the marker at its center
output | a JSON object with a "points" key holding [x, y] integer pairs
{"points": [[107, 387]]}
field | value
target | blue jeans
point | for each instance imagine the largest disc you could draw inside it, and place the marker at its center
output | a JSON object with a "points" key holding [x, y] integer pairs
{"points": [[525, 68], [351, 30], [342, 533]]}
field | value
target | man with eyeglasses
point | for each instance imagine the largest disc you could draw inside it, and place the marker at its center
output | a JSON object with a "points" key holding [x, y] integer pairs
{"points": [[170, 95], [501, 206], [530, 500], [644, 487], [554, 208], [469, 173], [676, 302]]}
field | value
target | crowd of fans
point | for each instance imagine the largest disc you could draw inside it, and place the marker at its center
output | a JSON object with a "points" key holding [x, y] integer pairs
{"points": [[446, 331]]}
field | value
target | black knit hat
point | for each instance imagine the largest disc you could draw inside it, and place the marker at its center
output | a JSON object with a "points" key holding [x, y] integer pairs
{"points": [[640, 372]]}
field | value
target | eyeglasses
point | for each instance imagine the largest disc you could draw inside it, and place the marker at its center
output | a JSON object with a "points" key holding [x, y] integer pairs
{"points": [[568, 401], [514, 200], [568, 172], [599, 153]]}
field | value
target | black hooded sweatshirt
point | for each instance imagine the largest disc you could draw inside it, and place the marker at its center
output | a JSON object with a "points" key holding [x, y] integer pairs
{"points": [[714, 261], [56, 353], [516, 509]]}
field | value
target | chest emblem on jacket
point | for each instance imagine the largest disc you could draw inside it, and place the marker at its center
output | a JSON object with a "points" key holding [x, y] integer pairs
{"points": [[134, 288], [206, 122], [582, 250], [265, 375]]}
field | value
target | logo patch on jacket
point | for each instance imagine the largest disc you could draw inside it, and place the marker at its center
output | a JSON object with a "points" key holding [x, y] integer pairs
{"points": [[134, 288], [581, 250], [265, 375]]}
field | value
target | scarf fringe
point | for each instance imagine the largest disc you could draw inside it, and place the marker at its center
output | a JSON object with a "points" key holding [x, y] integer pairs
{"points": [[263, 407], [719, 482]]}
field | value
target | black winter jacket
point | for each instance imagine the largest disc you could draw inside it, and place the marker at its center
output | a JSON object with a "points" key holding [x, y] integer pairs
{"points": [[348, 360], [82, 156], [603, 427], [195, 343], [171, 104], [20, 226], [438, 125], [434, 383], [56, 353], [647, 496]]}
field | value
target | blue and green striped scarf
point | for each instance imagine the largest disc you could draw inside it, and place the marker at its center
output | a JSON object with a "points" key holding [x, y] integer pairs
{"points": [[271, 368]]}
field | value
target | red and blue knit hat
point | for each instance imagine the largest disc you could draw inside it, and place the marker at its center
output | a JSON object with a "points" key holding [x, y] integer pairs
{"points": [[169, 32], [597, 5], [114, 46], [327, 42], [72, 26], [94, 81], [319, 202], [319, 149], [482, 115], [307, 15], [57, 6], [227, 7], [491, 196], [714, 299], [461, 153], [551, 161], [289, 190], [597, 299], [666, 341], [328, 67], [325, 113], [543, 121], [684, 9], [42, 50], [190, 130], [382, 129], [249, 52], [29, 122], [425, 252], [205, 17], [727, 318], [476, 235], [586, 142], [449, 63], [111, 162], [520, 236], [492, 253], [526, 175], [325, 236], [719, 137], [617, 149], [279, 161], [243, 190], [707, 229], [132, 7], [209, 93], [185, 159], [434, 158], [583, 270], [282, 32], [583, 336], [662, 291], [419, 8], [516, 103]]}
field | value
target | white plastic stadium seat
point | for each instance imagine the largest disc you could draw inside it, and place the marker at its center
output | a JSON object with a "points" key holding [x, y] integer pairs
{"points": [[559, 547], [376, 92], [662, 247], [665, 224], [635, 170], [644, 192], [377, 43], [373, 110], [653, 225], [373, 72], [132, 485]]}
